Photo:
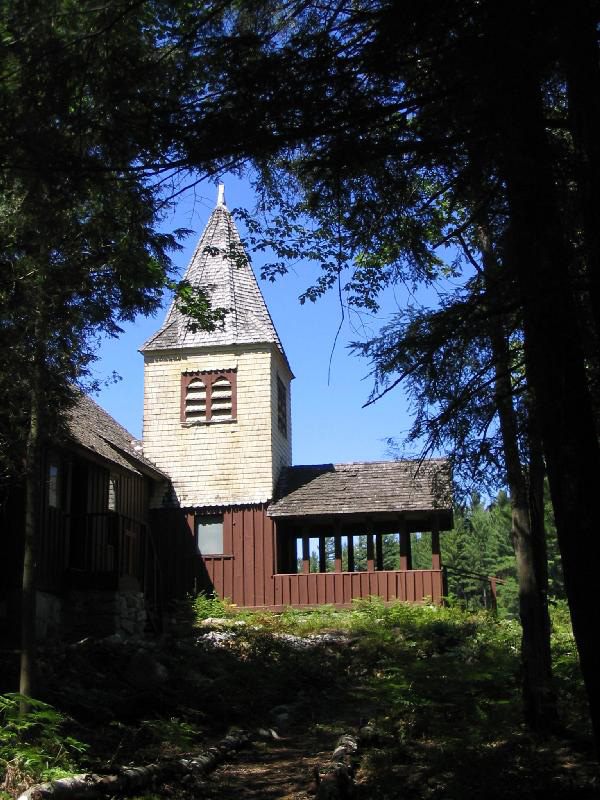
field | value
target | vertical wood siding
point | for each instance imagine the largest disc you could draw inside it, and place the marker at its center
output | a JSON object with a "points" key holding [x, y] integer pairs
{"points": [[243, 574], [341, 588]]}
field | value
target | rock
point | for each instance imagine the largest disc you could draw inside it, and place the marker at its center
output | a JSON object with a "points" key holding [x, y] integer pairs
{"points": [[368, 734], [336, 784], [216, 638], [145, 672], [213, 622], [269, 733]]}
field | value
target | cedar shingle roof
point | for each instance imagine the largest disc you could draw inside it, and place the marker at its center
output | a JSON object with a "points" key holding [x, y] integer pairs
{"points": [[363, 488], [95, 430], [221, 266]]}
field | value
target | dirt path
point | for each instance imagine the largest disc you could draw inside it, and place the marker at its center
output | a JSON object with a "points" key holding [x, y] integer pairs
{"points": [[285, 769], [273, 770]]}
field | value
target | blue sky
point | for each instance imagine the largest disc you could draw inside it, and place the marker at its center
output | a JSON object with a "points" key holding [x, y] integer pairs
{"points": [[328, 421]]}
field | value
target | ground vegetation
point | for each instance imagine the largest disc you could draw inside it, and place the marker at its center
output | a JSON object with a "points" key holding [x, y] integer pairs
{"points": [[435, 692]]}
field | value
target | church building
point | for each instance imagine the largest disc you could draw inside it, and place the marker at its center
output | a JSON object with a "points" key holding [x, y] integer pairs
{"points": [[237, 518]]}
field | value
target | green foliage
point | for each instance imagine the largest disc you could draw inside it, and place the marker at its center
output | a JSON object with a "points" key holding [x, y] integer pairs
{"points": [[480, 543], [88, 177], [34, 747], [173, 732], [439, 678], [210, 605]]}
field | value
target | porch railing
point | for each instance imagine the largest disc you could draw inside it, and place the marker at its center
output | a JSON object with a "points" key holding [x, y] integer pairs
{"points": [[106, 542], [341, 588]]}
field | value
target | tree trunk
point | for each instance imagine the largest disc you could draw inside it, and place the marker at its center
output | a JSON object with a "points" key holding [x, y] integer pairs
{"points": [[537, 472], [538, 698], [581, 60], [33, 477], [554, 356], [540, 562]]}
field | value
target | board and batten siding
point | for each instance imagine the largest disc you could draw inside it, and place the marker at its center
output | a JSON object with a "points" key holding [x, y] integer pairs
{"points": [[342, 588], [222, 463], [243, 573]]}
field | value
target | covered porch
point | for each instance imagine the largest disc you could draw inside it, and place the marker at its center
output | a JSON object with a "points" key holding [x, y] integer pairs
{"points": [[344, 532]]}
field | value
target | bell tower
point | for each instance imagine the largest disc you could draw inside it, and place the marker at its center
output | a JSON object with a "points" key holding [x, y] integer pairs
{"points": [[217, 409]]}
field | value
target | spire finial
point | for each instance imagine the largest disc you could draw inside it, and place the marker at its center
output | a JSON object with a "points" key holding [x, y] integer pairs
{"points": [[221, 196]]}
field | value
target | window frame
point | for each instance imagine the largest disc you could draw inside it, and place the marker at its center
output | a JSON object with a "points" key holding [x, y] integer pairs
{"points": [[112, 501], [53, 483], [220, 516], [208, 378]]}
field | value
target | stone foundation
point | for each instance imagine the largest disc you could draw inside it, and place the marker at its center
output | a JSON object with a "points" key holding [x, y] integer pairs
{"points": [[103, 613]]}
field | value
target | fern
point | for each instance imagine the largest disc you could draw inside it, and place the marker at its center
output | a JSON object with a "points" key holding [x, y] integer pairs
{"points": [[33, 746]]}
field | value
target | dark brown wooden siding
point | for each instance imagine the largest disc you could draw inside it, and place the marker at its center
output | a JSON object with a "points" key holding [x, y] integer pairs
{"points": [[243, 574], [80, 528], [133, 496], [246, 572], [99, 540], [341, 588]]}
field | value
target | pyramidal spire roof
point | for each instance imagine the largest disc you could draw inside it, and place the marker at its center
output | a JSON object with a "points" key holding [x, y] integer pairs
{"points": [[220, 266]]}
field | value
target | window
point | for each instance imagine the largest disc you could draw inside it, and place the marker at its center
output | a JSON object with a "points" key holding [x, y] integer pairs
{"points": [[208, 397], [209, 534], [113, 488], [281, 406], [53, 488]]}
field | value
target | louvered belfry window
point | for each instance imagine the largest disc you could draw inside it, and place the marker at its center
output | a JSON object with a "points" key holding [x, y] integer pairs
{"points": [[208, 396]]}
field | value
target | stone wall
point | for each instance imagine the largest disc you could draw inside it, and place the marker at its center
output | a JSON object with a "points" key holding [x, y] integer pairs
{"points": [[103, 613], [219, 463], [91, 613]]}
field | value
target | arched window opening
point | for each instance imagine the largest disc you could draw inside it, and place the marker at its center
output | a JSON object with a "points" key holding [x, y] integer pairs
{"points": [[221, 397], [195, 401]]}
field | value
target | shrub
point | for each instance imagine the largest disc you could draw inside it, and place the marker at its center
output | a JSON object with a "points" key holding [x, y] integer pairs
{"points": [[210, 605]]}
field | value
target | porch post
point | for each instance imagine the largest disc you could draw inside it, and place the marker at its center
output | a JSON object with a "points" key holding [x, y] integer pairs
{"points": [[370, 554], [379, 551], [338, 548], [305, 553], [436, 556], [191, 520], [405, 549], [322, 555], [350, 552]]}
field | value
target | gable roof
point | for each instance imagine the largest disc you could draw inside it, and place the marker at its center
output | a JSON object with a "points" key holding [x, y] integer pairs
{"points": [[363, 488], [220, 266], [92, 428]]}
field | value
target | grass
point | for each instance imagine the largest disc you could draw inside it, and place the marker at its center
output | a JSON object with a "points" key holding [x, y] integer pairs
{"points": [[440, 687]]}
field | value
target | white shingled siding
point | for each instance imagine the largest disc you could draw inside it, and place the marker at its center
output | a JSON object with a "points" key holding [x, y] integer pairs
{"points": [[281, 446], [224, 463]]}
